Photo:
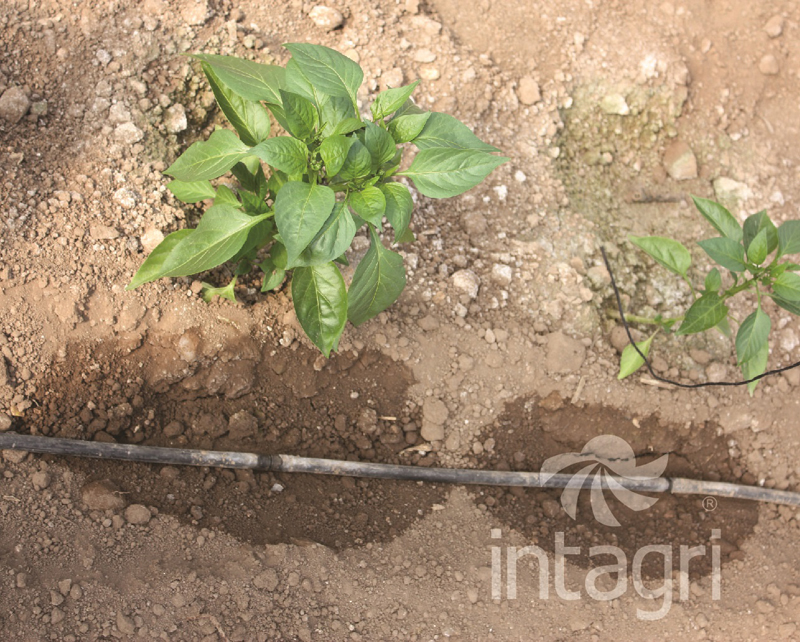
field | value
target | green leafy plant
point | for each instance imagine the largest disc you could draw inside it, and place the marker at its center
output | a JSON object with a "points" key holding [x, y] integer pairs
{"points": [[743, 255], [300, 198]]}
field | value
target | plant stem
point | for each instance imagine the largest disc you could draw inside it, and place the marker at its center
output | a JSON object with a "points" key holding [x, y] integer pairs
{"points": [[633, 318]]}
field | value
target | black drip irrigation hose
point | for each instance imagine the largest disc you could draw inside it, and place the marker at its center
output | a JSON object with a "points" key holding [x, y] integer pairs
{"points": [[314, 466]]}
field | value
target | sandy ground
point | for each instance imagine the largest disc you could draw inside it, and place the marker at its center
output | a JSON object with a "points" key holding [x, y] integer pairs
{"points": [[597, 105]]}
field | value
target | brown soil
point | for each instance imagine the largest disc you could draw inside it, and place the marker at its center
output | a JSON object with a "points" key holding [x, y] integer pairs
{"points": [[522, 372]]}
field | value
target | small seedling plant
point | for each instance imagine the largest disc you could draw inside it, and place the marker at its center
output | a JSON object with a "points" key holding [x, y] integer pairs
{"points": [[749, 257], [300, 198]]}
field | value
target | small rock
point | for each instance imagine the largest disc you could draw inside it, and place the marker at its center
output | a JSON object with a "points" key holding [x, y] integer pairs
{"points": [[267, 580], [680, 161], [65, 586], [151, 239], [435, 411], [15, 456], [56, 599], [327, 18], [424, 55], [56, 616], [173, 429], [728, 189], [393, 78], [103, 57], [125, 624], [428, 323], [716, 372], [502, 274], [467, 282], [175, 119], [431, 432], [188, 346], [367, 421], [242, 425], [474, 223], [615, 104], [103, 233], [128, 134], [196, 12], [5, 422], [125, 197], [14, 105], [564, 354], [528, 91], [768, 65], [39, 109], [774, 26], [429, 73], [40, 481], [552, 402], [118, 114], [102, 495], [137, 514]]}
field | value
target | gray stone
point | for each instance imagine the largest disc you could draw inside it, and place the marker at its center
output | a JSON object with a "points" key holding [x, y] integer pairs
{"points": [[267, 580], [727, 189], [128, 134], [137, 514], [102, 495], [175, 119], [14, 105], [103, 233], [680, 161], [774, 26], [435, 411], [327, 18], [242, 425], [151, 239], [768, 65], [502, 274], [564, 354], [5, 422], [615, 104], [467, 281], [528, 91]]}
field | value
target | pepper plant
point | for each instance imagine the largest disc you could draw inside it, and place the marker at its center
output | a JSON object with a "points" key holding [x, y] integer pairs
{"points": [[300, 198], [743, 253]]}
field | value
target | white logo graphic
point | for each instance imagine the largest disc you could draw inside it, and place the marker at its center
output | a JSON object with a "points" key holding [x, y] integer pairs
{"points": [[604, 453]]}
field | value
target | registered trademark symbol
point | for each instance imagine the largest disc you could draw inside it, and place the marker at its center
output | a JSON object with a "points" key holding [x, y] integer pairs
{"points": [[709, 503]]}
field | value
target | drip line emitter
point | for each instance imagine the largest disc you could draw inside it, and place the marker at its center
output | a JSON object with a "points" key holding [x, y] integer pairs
{"points": [[315, 466]]}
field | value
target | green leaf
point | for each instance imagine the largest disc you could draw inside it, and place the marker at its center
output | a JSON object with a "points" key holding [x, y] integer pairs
{"points": [[445, 172], [279, 255], [443, 130], [301, 115], [221, 233], [209, 291], [727, 252], [378, 280], [225, 196], [329, 71], [251, 80], [752, 334], [724, 327], [248, 118], [757, 249], [713, 281], [391, 100], [406, 128], [666, 252], [297, 83], [301, 210], [787, 286], [756, 366], [348, 125], [789, 238], [191, 192], [380, 144], [791, 306], [705, 313], [320, 301], [399, 206], [630, 361], [258, 236], [152, 268], [369, 204], [754, 225], [720, 218], [209, 159], [287, 154], [358, 162], [332, 240], [251, 177], [333, 151], [406, 237], [273, 275]]}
